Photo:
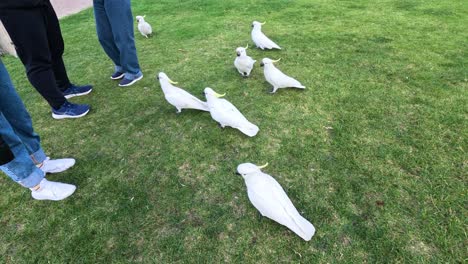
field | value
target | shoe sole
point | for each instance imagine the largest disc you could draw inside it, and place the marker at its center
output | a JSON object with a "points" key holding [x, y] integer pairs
{"points": [[55, 116], [118, 77], [78, 94], [132, 82]]}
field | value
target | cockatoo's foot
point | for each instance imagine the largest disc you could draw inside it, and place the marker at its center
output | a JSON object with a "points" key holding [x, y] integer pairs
{"points": [[178, 111], [273, 91]]}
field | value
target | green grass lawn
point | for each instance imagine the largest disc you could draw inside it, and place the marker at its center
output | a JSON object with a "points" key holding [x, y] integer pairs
{"points": [[373, 152]]}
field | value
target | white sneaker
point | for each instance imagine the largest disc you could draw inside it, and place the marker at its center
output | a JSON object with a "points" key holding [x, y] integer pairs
{"points": [[57, 165], [54, 191]]}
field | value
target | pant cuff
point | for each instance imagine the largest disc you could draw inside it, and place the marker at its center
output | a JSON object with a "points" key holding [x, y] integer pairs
{"points": [[132, 76], [38, 157], [118, 68], [33, 180], [30, 181]]}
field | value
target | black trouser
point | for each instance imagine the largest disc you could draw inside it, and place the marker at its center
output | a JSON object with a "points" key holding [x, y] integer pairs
{"points": [[39, 44]]}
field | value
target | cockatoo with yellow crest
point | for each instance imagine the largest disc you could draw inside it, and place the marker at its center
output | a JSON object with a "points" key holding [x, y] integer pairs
{"points": [[226, 114], [244, 64], [277, 78], [143, 26], [260, 40], [178, 97], [267, 195]]}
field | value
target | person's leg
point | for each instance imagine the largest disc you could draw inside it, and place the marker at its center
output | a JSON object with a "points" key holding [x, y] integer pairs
{"points": [[120, 17], [20, 121], [104, 33], [14, 111], [21, 170], [56, 46], [27, 29]]}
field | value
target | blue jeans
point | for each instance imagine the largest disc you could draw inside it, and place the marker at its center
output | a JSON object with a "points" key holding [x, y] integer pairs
{"points": [[114, 26], [17, 132]]}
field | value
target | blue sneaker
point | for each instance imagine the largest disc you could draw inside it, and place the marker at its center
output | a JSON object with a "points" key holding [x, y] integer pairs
{"points": [[69, 110], [117, 75], [75, 90], [128, 82]]}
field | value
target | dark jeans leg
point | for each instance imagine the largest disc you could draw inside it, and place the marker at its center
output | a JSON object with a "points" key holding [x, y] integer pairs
{"points": [[119, 14], [21, 169], [28, 31], [16, 114], [104, 33]]}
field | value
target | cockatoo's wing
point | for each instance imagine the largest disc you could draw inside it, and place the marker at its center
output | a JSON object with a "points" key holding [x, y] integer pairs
{"points": [[227, 114], [267, 195], [148, 28], [230, 113], [250, 63], [263, 41], [244, 65], [238, 63], [183, 99], [145, 28], [278, 79], [306, 228]]}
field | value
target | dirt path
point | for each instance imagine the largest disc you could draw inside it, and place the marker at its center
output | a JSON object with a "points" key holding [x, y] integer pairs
{"points": [[69, 7]]}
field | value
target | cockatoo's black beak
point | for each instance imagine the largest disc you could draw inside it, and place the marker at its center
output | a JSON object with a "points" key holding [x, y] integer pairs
{"points": [[157, 77], [238, 173], [262, 64], [238, 54]]}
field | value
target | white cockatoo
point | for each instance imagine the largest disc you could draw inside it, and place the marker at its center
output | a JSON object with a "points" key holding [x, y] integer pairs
{"points": [[244, 64], [277, 78], [267, 195], [178, 97], [260, 40], [143, 26], [226, 114]]}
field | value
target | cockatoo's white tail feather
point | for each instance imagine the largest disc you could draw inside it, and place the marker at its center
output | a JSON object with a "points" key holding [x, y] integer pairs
{"points": [[306, 229], [199, 104], [205, 107], [250, 130], [274, 45]]}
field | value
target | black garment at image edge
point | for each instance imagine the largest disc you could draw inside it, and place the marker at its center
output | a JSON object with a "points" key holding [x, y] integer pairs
{"points": [[5, 153], [14, 4], [39, 44]]}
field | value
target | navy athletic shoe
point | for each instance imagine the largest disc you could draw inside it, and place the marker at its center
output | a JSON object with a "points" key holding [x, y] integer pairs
{"points": [[127, 82], [75, 90], [117, 75], [69, 110]]}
